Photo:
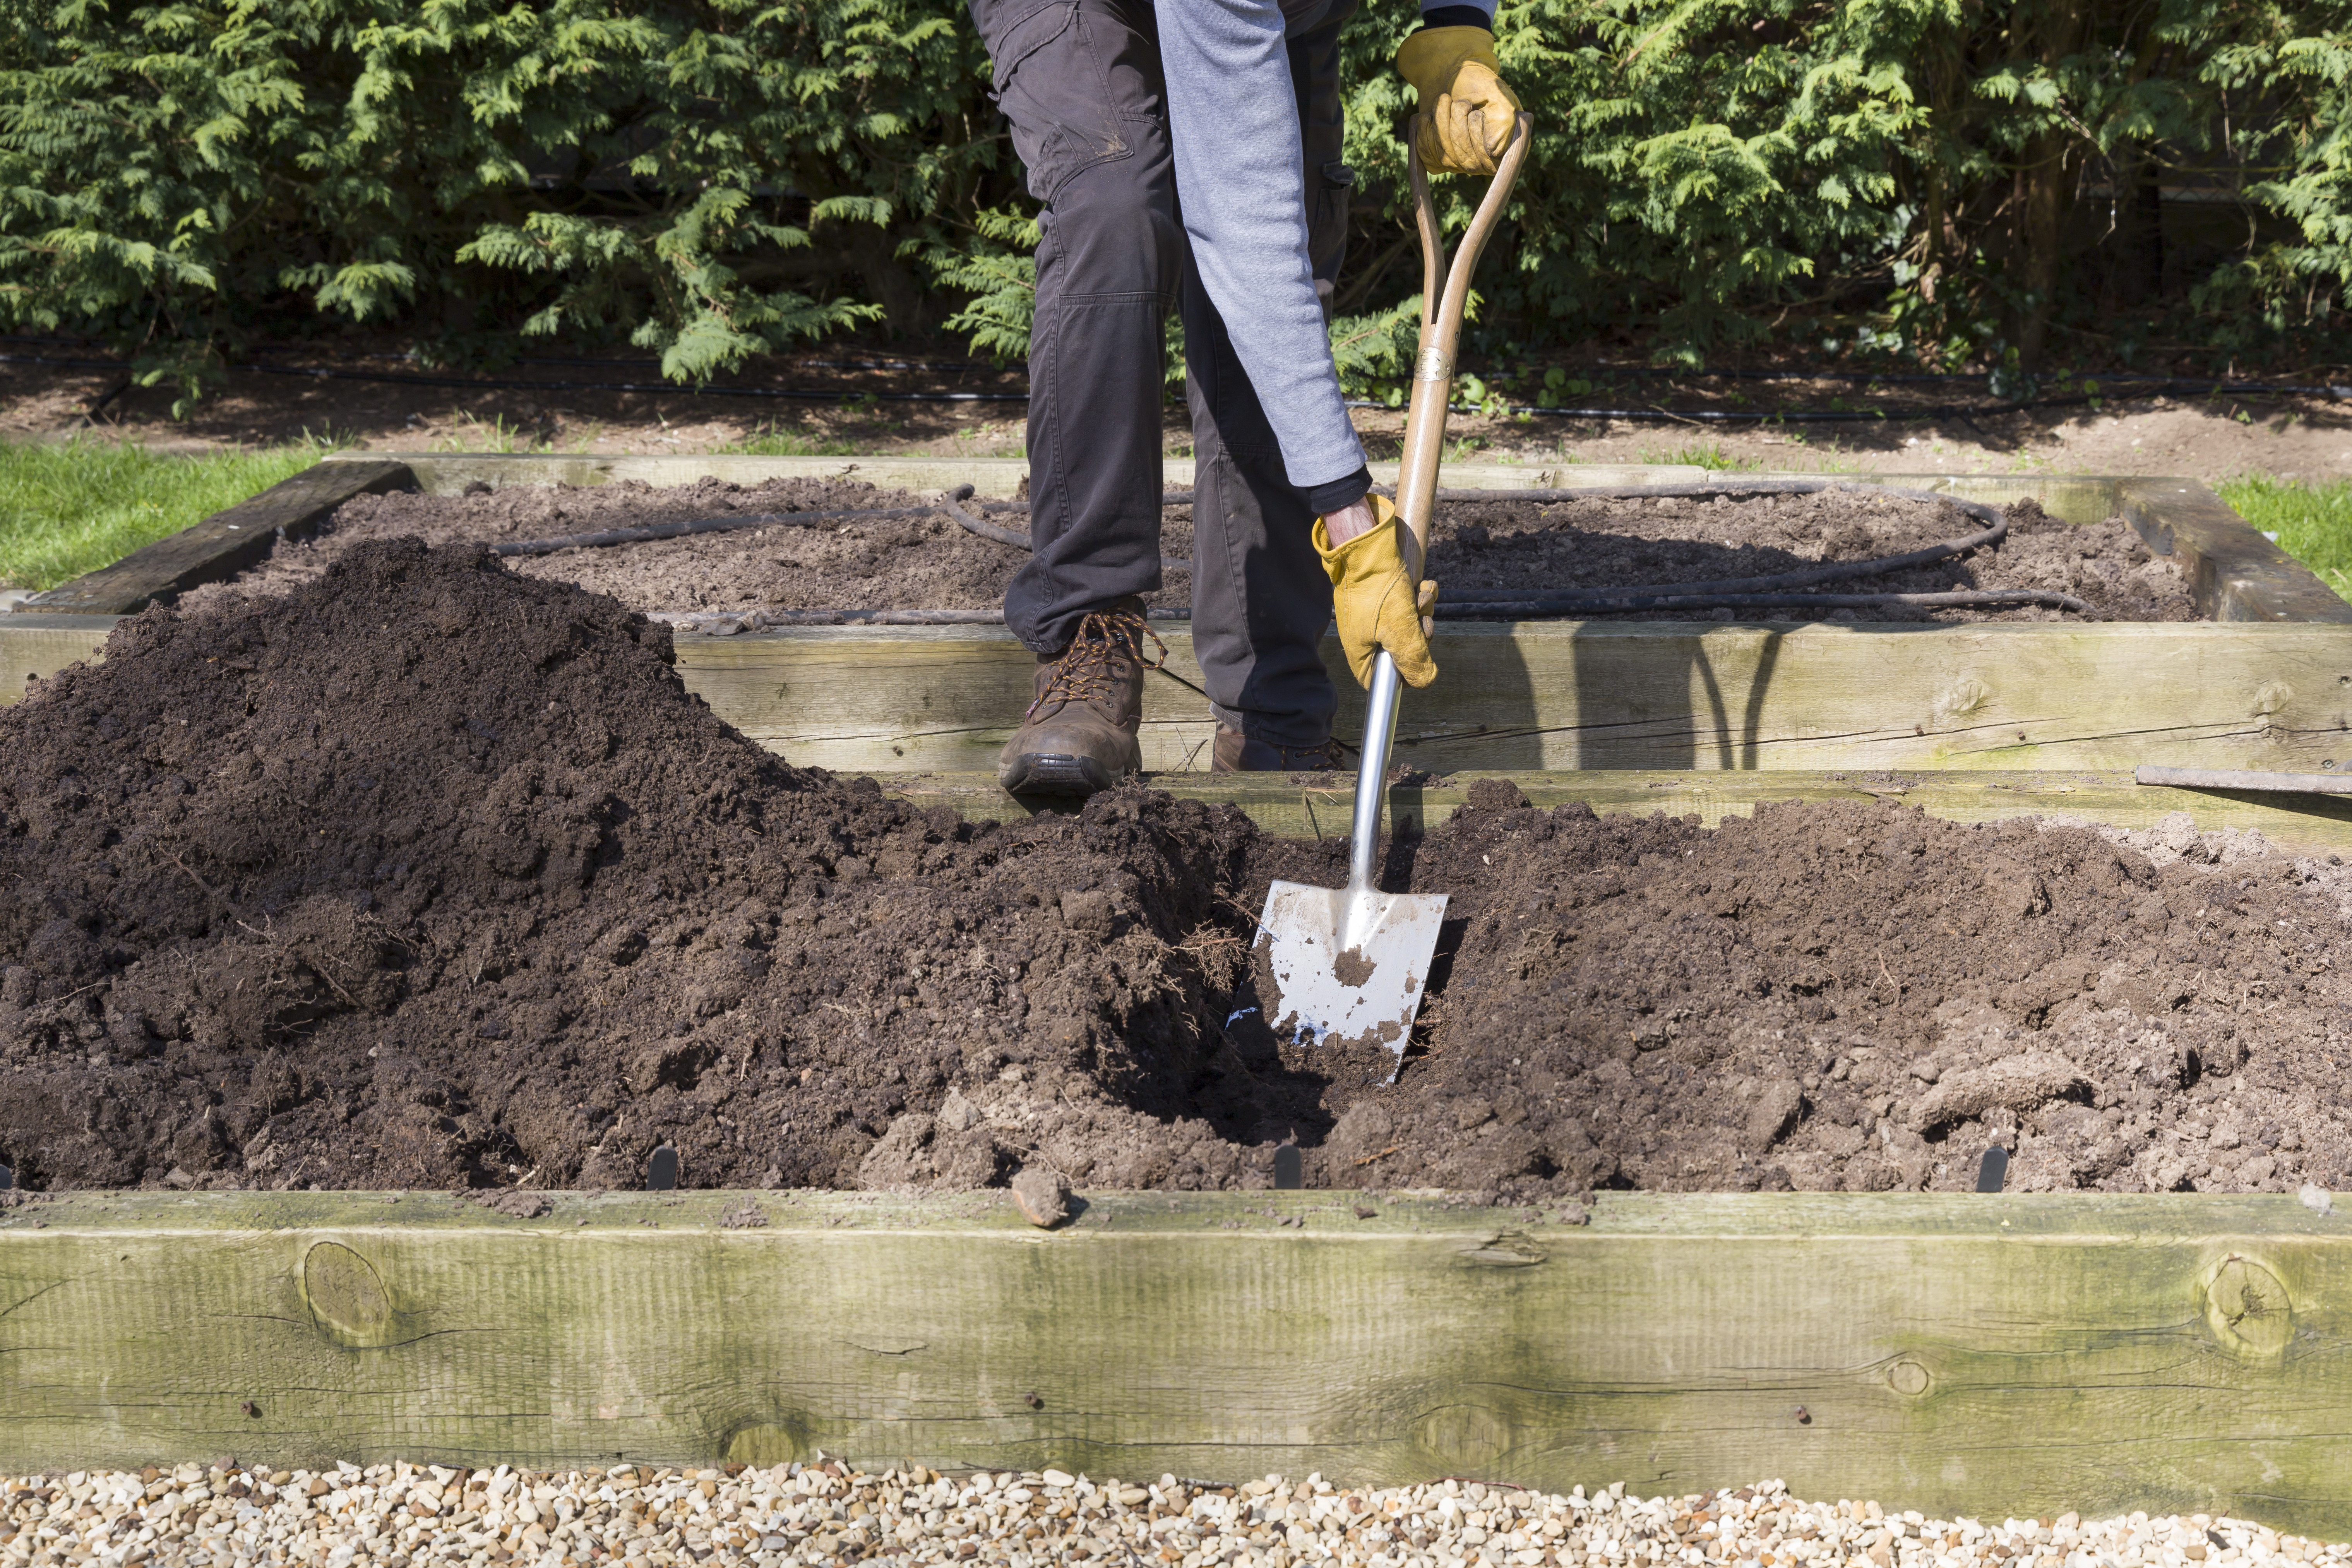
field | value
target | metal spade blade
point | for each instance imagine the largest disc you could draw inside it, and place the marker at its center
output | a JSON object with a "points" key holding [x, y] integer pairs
{"points": [[1349, 963]]}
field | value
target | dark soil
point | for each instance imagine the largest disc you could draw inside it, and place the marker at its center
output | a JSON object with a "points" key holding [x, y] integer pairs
{"points": [[431, 874], [933, 564]]}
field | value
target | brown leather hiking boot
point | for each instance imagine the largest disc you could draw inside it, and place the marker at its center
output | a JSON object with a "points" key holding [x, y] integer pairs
{"points": [[1078, 736], [1235, 752]]}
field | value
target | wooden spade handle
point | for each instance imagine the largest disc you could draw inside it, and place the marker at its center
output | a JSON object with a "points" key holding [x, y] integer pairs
{"points": [[1441, 329]]}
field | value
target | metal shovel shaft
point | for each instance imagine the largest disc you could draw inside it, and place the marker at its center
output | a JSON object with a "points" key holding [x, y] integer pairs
{"points": [[1371, 777], [1445, 298]]}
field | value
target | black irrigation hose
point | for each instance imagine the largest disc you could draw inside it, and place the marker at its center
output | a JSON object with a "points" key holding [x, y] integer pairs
{"points": [[1707, 490], [502, 384], [973, 525], [1777, 416], [733, 521], [1021, 542], [2212, 385], [1530, 610], [753, 620]]}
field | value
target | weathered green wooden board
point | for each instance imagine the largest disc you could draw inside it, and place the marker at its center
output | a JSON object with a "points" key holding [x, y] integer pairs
{"points": [[2235, 572], [37, 646], [1981, 1355], [1570, 696], [1565, 696], [1304, 806]]}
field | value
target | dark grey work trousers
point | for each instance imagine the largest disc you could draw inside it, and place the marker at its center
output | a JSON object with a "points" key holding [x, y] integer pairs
{"points": [[1081, 81]]}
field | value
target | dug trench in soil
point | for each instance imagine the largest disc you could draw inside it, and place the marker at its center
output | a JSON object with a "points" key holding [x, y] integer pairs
{"points": [[430, 873], [918, 563]]}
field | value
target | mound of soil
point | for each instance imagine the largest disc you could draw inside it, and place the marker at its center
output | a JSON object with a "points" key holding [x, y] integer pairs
{"points": [[430, 873], [933, 564], [1854, 995]]}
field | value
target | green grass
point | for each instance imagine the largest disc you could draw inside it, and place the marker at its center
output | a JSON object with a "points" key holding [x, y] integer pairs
{"points": [[2311, 522], [1708, 454], [68, 509], [771, 442]]}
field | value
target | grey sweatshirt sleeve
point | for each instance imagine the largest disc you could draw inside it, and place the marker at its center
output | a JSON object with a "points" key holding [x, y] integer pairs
{"points": [[1239, 177]]}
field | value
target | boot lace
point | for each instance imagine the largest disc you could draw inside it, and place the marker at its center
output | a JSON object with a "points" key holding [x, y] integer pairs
{"points": [[1085, 669]]}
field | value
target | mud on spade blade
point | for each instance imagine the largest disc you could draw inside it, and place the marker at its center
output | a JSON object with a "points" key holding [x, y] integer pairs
{"points": [[1348, 964]]}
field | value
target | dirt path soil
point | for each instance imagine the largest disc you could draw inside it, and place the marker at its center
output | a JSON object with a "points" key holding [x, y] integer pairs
{"points": [[430, 873], [933, 564], [282, 397]]}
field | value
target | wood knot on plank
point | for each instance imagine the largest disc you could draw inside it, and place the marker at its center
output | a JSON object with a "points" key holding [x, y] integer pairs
{"points": [[779, 1441], [347, 1300], [2248, 1308], [1907, 1377]]}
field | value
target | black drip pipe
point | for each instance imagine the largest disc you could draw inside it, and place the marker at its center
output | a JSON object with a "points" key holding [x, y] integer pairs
{"points": [[1021, 542]]}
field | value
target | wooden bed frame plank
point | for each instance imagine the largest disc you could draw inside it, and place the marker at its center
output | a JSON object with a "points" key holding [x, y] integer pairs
{"points": [[1951, 1354], [35, 647], [2235, 572], [1552, 695], [1306, 807], [1572, 696], [1566, 696]]}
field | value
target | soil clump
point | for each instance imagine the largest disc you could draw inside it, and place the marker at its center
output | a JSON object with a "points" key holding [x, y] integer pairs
{"points": [[912, 563], [430, 873]]}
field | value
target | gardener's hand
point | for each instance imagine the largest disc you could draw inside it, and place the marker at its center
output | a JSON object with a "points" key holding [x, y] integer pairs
{"points": [[1466, 111], [1376, 606]]}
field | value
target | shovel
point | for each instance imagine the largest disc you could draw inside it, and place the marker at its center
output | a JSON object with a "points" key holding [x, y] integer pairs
{"points": [[1348, 964]]}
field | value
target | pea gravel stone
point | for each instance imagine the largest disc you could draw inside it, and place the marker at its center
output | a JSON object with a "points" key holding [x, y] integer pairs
{"points": [[788, 1516]]}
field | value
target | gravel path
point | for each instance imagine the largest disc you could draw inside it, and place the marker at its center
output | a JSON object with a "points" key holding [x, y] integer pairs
{"points": [[405, 1514]]}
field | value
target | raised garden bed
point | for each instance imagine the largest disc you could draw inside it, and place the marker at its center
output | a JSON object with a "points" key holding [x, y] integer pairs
{"points": [[287, 968]]}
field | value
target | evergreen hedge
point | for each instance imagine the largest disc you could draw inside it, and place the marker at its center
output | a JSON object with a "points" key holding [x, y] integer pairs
{"points": [[1951, 181]]}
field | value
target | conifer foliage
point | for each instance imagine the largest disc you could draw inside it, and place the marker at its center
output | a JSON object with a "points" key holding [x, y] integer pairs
{"points": [[1960, 182]]}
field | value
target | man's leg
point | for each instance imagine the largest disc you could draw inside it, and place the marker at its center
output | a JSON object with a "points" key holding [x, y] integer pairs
{"points": [[1260, 598], [1081, 85]]}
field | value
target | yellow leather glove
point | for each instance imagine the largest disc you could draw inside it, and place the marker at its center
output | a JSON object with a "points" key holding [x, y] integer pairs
{"points": [[1375, 605], [1466, 112]]}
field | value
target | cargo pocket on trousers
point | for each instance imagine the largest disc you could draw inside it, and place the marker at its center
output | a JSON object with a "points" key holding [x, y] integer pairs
{"points": [[1052, 86]]}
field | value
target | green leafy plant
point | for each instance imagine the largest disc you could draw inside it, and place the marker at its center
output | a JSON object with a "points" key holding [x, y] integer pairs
{"points": [[1708, 454], [1978, 185], [179, 179]]}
